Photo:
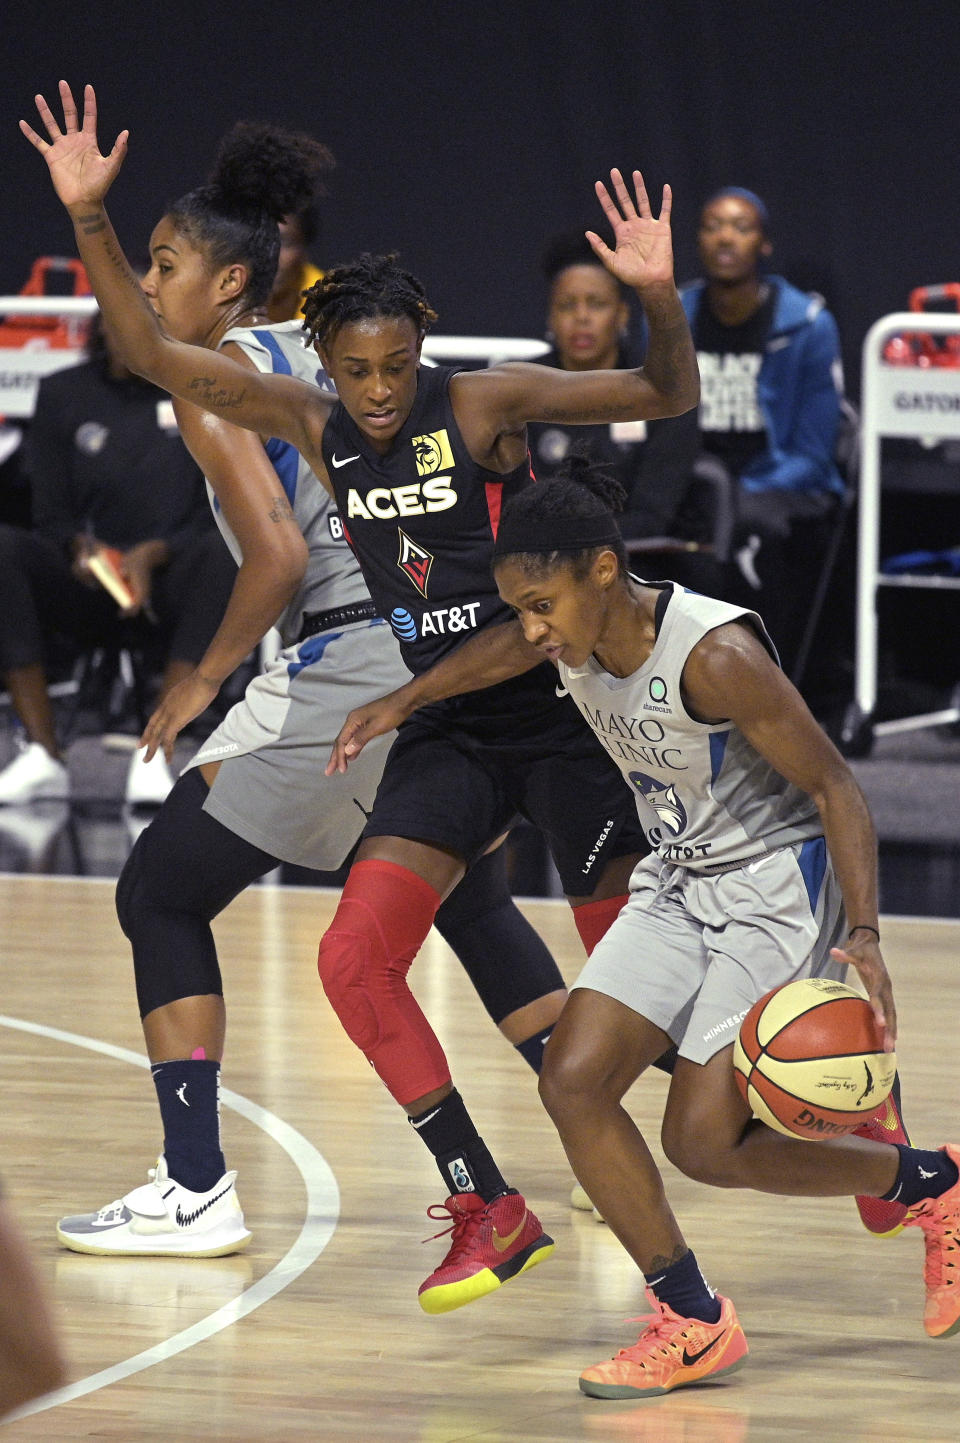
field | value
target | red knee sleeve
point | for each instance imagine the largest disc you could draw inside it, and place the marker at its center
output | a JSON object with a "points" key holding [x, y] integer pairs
{"points": [[385, 912], [593, 919]]}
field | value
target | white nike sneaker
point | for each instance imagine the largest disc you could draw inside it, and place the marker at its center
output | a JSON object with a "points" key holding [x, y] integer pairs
{"points": [[32, 774], [162, 1219], [149, 783]]}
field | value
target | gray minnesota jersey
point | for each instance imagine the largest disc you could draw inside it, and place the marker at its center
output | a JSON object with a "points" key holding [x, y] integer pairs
{"points": [[332, 577], [705, 796]]}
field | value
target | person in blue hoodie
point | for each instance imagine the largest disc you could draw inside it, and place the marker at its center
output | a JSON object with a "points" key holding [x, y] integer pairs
{"points": [[771, 384]]}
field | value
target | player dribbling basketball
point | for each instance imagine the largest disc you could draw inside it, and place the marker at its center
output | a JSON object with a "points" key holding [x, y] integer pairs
{"points": [[764, 871]]}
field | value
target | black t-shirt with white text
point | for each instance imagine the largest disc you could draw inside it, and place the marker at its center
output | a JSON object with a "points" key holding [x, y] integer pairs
{"points": [[729, 357]]}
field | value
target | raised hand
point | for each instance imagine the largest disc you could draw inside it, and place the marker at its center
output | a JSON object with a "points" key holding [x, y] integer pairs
{"points": [[81, 175], [644, 247]]}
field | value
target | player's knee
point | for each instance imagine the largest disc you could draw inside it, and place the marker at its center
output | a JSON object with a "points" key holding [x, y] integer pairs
{"points": [[130, 895], [693, 1150], [344, 966], [568, 1081]]}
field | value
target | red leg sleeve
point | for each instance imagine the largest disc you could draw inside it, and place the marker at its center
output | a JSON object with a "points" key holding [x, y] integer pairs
{"points": [[593, 919], [385, 912]]}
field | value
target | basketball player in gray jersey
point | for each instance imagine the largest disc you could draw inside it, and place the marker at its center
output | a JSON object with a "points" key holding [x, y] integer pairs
{"points": [[764, 871], [255, 794], [332, 642]]}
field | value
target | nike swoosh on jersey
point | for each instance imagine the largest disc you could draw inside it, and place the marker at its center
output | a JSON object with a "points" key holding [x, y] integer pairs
{"points": [[690, 1358], [562, 690], [346, 460]]}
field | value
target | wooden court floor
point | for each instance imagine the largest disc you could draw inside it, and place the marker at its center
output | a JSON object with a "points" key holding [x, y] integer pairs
{"points": [[315, 1332]]}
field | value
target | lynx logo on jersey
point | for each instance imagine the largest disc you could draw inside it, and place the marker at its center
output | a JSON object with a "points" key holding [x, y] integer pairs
{"points": [[414, 562], [432, 452], [663, 800]]}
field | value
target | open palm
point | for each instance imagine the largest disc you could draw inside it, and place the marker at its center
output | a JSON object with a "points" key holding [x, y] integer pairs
{"points": [[80, 174], [643, 254]]}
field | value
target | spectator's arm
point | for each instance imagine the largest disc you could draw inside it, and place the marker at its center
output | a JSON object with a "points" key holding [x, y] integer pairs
{"points": [[663, 471], [803, 460]]}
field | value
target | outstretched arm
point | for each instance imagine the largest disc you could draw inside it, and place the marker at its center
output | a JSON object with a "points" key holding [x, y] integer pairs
{"points": [[730, 675], [30, 1359], [274, 558], [490, 656], [271, 405], [500, 401]]}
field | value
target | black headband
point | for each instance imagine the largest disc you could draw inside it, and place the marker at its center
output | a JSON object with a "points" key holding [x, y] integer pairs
{"points": [[555, 533]]}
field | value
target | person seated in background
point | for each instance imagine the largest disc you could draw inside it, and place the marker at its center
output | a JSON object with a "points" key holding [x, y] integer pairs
{"points": [[588, 324], [296, 272], [107, 468], [771, 384]]}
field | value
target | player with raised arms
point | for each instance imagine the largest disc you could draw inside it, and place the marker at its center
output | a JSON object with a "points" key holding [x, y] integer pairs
{"points": [[420, 462], [255, 794]]}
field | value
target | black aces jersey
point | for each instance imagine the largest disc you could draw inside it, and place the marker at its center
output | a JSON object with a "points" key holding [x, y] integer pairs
{"points": [[422, 521]]}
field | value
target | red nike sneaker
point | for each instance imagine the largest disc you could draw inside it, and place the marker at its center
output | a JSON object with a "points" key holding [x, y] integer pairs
{"points": [[884, 1219], [492, 1242]]}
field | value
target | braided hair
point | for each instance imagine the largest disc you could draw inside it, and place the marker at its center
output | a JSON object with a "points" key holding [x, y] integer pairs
{"points": [[368, 287], [584, 493], [261, 174]]}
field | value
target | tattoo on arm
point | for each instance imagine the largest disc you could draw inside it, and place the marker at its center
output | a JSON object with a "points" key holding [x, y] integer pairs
{"points": [[90, 224], [597, 413], [213, 397], [281, 510]]}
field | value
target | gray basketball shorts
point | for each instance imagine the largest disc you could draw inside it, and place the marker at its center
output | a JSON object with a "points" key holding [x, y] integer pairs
{"points": [[692, 952], [275, 742]]}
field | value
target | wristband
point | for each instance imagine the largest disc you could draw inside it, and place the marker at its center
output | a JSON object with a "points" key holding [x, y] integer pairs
{"points": [[863, 927]]}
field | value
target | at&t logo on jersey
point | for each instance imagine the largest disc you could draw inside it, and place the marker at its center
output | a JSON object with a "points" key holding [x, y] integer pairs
{"points": [[432, 453], [414, 562], [445, 621]]}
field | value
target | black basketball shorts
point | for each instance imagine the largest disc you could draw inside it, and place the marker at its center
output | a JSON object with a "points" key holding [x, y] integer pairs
{"points": [[462, 771]]}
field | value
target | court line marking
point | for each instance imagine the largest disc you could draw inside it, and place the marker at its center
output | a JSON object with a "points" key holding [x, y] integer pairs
{"points": [[322, 1214]]}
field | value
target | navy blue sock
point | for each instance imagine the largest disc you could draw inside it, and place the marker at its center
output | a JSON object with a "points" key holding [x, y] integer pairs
{"points": [[188, 1091], [921, 1174], [531, 1050], [460, 1153], [683, 1288]]}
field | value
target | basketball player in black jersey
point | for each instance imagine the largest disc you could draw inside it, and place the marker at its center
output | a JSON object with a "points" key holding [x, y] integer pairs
{"points": [[419, 463]]}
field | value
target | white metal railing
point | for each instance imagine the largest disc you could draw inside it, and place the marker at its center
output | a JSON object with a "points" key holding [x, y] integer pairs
{"points": [[909, 401], [22, 366]]}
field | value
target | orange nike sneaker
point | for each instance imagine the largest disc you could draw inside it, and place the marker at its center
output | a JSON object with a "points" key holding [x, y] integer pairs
{"points": [[492, 1242], [884, 1219], [939, 1217], [671, 1352]]}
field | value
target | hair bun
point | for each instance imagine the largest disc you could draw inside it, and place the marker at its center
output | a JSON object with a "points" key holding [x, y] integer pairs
{"points": [[262, 167]]}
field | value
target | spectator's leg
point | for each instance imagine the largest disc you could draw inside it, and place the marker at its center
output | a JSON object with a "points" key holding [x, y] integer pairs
{"points": [[190, 597]]}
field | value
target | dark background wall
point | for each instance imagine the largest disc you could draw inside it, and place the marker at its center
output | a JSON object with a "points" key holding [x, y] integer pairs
{"points": [[466, 134]]}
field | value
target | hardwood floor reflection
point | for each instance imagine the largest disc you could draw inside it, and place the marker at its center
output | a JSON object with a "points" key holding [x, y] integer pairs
{"points": [[342, 1353]]}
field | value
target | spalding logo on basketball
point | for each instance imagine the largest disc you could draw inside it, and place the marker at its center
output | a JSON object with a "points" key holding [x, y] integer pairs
{"points": [[809, 1059]]}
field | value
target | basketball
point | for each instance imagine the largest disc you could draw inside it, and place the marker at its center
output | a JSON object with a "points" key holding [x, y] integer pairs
{"points": [[809, 1059]]}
